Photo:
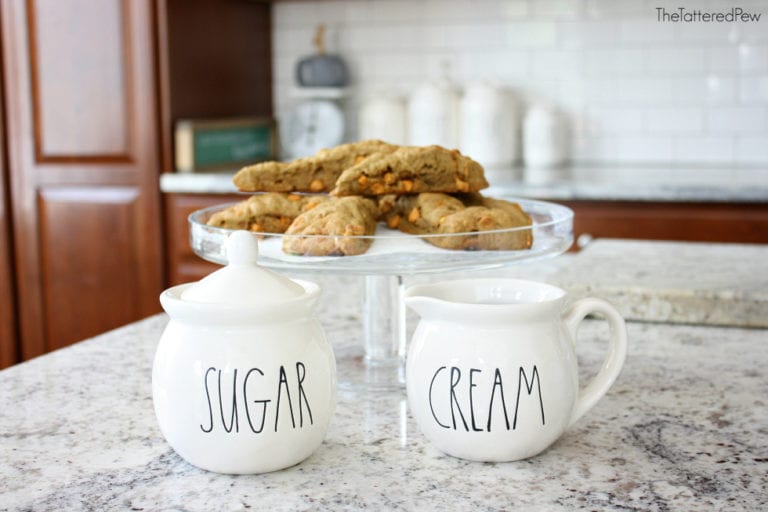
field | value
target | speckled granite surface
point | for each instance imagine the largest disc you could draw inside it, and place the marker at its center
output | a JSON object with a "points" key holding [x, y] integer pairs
{"points": [[684, 428], [713, 284], [675, 282]]}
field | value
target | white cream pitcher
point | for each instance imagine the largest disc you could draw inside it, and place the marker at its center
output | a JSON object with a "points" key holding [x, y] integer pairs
{"points": [[491, 373], [244, 380]]}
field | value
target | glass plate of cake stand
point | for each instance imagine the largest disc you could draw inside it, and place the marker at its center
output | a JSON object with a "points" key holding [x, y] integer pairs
{"points": [[392, 256]]}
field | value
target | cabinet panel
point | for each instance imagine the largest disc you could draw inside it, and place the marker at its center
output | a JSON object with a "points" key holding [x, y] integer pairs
{"points": [[88, 119], [83, 176], [88, 263], [700, 222]]}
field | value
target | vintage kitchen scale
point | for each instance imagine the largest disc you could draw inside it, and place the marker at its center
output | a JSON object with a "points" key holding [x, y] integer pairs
{"points": [[317, 120], [392, 256]]}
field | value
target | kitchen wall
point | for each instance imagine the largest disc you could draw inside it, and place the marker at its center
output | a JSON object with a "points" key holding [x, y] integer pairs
{"points": [[638, 91]]}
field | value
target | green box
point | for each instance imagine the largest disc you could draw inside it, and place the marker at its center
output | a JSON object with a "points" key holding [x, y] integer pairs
{"points": [[218, 144]]}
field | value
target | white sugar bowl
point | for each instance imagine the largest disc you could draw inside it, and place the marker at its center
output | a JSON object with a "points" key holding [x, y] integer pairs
{"points": [[244, 380]]}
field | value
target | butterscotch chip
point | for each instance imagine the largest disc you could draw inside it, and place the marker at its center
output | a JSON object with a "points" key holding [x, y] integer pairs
{"points": [[393, 221], [317, 185], [338, 221], [267, 213], [316, 173], [473, 214], [412, 169]]}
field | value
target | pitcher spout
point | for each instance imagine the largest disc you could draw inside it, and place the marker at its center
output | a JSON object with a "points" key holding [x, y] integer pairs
{"points": [[424, 305]]}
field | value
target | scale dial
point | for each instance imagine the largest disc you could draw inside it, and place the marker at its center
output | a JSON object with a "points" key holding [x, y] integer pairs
{"points": [[313, 125]]}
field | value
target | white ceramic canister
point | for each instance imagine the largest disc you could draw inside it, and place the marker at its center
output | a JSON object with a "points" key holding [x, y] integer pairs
{"points": [[384, 117], [433, 115], [545, 137], [244, 380], [489, 125]]}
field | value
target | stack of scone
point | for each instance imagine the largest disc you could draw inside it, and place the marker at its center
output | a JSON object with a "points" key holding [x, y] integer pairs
{"points": [[331, 202]]}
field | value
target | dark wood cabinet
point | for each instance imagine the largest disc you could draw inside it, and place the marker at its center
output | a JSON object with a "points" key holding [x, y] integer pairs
{"points": [[91, 90], [684, 221], [82, 164]]}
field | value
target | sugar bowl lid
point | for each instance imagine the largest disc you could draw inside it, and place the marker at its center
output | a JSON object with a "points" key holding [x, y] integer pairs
{"points": [[243, 282]]}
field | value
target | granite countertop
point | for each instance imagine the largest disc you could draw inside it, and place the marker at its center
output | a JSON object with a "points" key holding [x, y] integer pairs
{"points": [[674, 282], [683, 428], [572, 183]]}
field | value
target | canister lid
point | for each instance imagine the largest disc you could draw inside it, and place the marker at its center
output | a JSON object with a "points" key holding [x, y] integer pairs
{"points": [[243, 282]]}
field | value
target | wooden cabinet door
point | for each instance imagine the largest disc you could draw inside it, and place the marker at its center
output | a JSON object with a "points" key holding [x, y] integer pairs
{"points": [[81, 113], [8, 338]]}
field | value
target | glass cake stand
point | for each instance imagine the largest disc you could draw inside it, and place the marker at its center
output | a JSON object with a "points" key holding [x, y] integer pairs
{"points": [[391, 256]]}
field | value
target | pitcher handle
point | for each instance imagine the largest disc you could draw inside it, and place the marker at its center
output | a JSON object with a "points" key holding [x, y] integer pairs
{"points": [[614, 361]]}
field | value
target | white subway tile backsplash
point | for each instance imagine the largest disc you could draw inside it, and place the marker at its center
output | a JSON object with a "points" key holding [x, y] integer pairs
{"points": [[708, 150], [633, 149], [711, 89], [557, 9], [611, 120], [588, 34], [674, 61], [645, 32], [614, 62], [737, 120], [752, 32], [723, 59], [636, 90], [532, 34], [461, 11], [548, 64], [395, 11], [293, 14], [479, 36], [618, 9], [294, 40], [704, 32], [752, 149], [513, 9], [754, 90], [674, 120], [644, 91], [503, 66], [752, 57], [742, 57]]}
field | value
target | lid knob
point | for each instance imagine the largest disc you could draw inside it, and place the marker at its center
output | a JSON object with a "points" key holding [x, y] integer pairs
{"points": [[243, 282], [242, 248]]}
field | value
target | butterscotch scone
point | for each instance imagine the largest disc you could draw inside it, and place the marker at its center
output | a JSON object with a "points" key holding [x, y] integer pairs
{"points": [[523, 237], [418, 214], [344, 217], [442, 214], [317, 173], [412, 169], [265, 213]]}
